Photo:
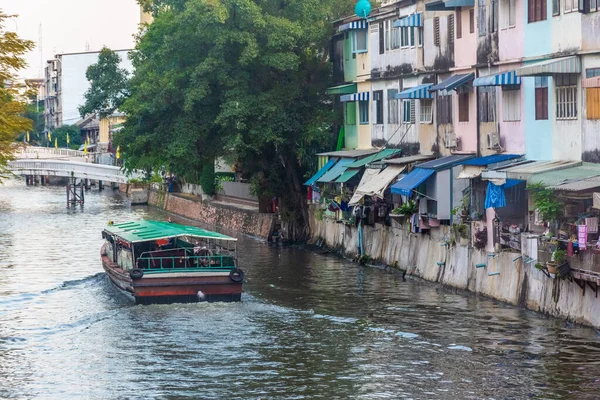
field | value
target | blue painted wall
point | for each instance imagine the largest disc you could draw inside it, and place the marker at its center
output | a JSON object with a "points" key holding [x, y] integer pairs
{"points": [[538, 35], [538, 133]]}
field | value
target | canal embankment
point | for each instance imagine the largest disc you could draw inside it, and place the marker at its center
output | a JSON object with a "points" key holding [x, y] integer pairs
{"points": [[229, 217], [435, 257]]}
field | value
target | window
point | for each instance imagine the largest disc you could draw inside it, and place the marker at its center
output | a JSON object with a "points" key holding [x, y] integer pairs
{"points": [[436, 31], [507, 14], [571, 5], [463, 107], [481, 21], [404, 39], [471, 21], [555, 7], [592, 72], [387, 27], [594, 5], [451, 28], [378, 106], [487, 104], [494, 16], [412, 36], [536, 10], [359, 41], [444, 109], [420, 36], [593, 103], [458, 24], [408, 111], [426, 111], [350, 113], [566, 96], [394, 39], [381, 38], [392, 106], [363, 111], [511, 105], [541, 97]]}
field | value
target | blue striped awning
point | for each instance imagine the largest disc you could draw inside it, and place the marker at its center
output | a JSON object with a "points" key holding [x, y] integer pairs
{"points": [[554, 66], [411, 20], [417, 92], [406, 185], [453, 82], [362, 96], [321, 172], [360, 24], [505, 78]]}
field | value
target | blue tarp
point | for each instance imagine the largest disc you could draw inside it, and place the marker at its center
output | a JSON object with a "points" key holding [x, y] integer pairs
{"points": [[405, 185], [494, 196], [488, 160], [321, 172]]}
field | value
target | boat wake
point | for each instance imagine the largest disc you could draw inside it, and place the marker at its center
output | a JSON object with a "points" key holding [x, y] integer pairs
{"points": [[66, 285]]}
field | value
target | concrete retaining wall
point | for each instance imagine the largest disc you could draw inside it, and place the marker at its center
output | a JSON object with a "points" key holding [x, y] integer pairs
{"points": [[518, 283], [229, 218]]}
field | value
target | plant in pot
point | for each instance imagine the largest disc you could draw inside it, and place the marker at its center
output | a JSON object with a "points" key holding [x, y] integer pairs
{"points": [[558, 258]]}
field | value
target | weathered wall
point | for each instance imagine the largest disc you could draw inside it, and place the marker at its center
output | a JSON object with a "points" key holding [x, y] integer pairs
{"points": [[229, 218], [518, 283]]}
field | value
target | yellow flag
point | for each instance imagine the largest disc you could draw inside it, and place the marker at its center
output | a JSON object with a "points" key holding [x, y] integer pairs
{"points": [[56, 143], [49, 136], [85, 147], [118, 152], [27, 137], [68, 140]]}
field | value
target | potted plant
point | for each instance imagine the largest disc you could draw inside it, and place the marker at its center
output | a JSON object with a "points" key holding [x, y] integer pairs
{"points": [[558, 259]]}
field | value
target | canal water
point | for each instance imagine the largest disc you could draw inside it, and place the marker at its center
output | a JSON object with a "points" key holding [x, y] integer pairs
{"points": [[309, 326]]}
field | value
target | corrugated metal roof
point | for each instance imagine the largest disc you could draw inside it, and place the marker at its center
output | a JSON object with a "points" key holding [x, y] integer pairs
{"points": [[527, 169], [579, 186], [342, 89], [377, 184], [321, 172], [335, 171], [566, 175], [347, 175], [349, 153], [375, 157], [453, 82], [407, 160], [446, 162], [489, 160], [406, 185], [143, 231]]}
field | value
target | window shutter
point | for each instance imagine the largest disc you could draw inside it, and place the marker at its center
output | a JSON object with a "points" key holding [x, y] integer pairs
{"points": [[472, 21], [381, 38], [436, 31], [451, 28], [544, 9], [530, 10], [593, 103], [458, 24], [412, 111]]}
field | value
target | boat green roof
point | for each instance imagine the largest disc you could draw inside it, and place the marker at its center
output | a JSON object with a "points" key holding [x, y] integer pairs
{"points": [[144, 230]]}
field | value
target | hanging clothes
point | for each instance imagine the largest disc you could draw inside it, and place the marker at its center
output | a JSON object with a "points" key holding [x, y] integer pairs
{"points": [[494, 196]]}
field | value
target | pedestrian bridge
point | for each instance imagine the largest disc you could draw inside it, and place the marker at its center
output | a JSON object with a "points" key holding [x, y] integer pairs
{"points": [[68, 169], [45, 153]]}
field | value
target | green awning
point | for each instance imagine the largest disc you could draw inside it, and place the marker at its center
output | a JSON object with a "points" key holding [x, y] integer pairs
{"points": [[347, 175], [383, 154], [564, 65], [144, 231], [343, 89], [566, 175]]}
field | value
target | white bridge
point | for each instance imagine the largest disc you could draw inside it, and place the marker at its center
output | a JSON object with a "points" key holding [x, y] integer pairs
{"points": [[42, 161]]}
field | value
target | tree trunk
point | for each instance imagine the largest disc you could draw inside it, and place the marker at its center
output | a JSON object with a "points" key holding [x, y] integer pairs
{"points": [[298, 227]]}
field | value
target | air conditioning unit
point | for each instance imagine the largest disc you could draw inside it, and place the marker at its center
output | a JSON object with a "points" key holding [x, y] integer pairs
{"points": [[451, 141], [493, 141]]}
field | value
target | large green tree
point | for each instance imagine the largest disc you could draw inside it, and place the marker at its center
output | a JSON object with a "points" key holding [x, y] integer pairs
{"points": [[248, 77], [12, 121], [108, 85]]}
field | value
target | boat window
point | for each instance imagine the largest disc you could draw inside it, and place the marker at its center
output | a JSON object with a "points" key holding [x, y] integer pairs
{"points": [[124, 259]]}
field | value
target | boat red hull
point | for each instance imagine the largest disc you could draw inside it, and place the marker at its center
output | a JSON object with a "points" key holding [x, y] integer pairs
{"points": [[182, 289]]}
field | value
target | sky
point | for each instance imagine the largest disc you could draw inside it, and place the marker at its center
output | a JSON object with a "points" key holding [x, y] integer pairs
{"points": [[71, 26]]}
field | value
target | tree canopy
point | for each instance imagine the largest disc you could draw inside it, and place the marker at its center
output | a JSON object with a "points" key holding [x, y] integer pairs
{"points": [[108, 85], [12, 121], [247, 77], [61, 135]]}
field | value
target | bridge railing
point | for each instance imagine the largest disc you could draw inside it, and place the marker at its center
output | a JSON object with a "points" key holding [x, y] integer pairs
{"points": [[75, 169], [43, 152]]}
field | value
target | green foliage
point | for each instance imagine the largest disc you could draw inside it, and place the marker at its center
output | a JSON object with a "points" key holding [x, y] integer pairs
{"points": [[61, 134], [220, 178], [462, 230], [540, 266], [108, 85], [559, 256], [408, 208], [12, 121], [549, 206], [234, 76], [207, 179], [320, 214]]}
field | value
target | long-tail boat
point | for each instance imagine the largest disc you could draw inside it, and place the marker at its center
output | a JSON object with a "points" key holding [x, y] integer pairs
{"points": [[164, 262]]}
